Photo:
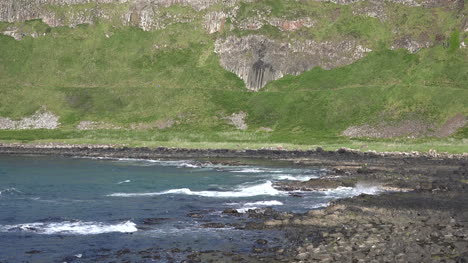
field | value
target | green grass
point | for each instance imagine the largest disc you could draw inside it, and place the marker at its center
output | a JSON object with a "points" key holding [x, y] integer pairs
{"points": [[123, 75], [227, 140]]}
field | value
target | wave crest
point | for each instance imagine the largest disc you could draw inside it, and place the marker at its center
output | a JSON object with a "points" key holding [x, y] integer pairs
{"points": [[241, 191], [71, 228]]}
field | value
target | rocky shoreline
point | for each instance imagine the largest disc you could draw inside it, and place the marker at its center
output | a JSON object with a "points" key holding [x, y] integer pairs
{"points": [[421, 214], [117, 151]]}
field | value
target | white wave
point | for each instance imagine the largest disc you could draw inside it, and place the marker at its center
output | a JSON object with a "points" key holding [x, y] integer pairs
{"points": [[292, 177], [126, 181], [248, 170], [264, 203], [254, 205], [319, 205], [243, 191], [353, 191], [176, 163], [245, 209], [147, 162], [72, 228], [188, 165], [9, 191]]}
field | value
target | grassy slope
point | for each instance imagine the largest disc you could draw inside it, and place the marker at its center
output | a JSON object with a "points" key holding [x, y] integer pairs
{"points": [[127, 78]]}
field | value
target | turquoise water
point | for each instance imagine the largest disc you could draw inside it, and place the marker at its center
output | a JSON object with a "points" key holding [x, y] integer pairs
{"points": [[55, 209]]}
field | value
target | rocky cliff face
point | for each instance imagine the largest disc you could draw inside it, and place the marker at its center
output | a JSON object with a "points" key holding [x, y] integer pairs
{"points": [[258, 60], [143, 10], [423, 3], [142, 13], [21, 10]]}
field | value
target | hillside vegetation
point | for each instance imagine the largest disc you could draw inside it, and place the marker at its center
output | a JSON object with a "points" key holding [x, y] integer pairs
{"points": [[167, 87]]}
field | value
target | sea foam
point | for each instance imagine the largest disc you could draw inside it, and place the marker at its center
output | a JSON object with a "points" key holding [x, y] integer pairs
{"points": [[340, 192], [254, 205], [240, 191], [10, 191], [292, 177], [71, 228]]}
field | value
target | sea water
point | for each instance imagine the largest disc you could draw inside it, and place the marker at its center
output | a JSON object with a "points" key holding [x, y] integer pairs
{"points": [[57, 209]]}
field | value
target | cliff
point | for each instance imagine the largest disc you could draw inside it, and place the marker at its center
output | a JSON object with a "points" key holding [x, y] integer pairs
{"points": [[256, 58], [75, 56]]}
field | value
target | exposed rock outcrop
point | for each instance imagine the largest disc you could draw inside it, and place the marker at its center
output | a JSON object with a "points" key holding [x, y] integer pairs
{"points": [[18, 35], [143, 13], [410, 44], [423, 3], [142, 10], [39, 120], [21, 10], [214, 21], [255, 23], [238, 120], [258, 60]]}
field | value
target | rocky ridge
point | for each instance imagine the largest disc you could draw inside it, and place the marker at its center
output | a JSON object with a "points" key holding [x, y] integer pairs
{"points": [[15, 11]]}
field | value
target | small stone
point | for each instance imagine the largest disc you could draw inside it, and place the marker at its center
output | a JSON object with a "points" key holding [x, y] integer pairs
{"points": [[302, 256], [258, 250], [230, 211]]}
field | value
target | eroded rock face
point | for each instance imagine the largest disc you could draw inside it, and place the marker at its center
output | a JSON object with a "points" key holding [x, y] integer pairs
{"points": [[18, 35], [214, 21], [423, 3], [21, 10], [39, 120], [258, 60], [142, 12], [410, 44], [255, 23]]}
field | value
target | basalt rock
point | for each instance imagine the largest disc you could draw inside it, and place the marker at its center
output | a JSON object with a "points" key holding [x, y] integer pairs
{"points": [[258, 60]]}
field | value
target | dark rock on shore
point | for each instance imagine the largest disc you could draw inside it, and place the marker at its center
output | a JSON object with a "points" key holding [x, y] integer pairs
{"points": [[213, 225], [154, 221], [423, 219]]}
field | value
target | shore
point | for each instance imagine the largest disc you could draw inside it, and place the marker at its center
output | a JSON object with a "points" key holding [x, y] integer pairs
{"points": [[116, 151], [419, 215]]}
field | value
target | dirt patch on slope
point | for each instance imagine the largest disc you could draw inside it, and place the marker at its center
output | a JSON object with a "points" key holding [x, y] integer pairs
{"points": [[386, 130], [96, 125], [407, 128], [159, 124], [452, 125]]}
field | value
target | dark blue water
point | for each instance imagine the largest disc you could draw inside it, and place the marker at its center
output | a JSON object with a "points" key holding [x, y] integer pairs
{"points": [[56, 209]]}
